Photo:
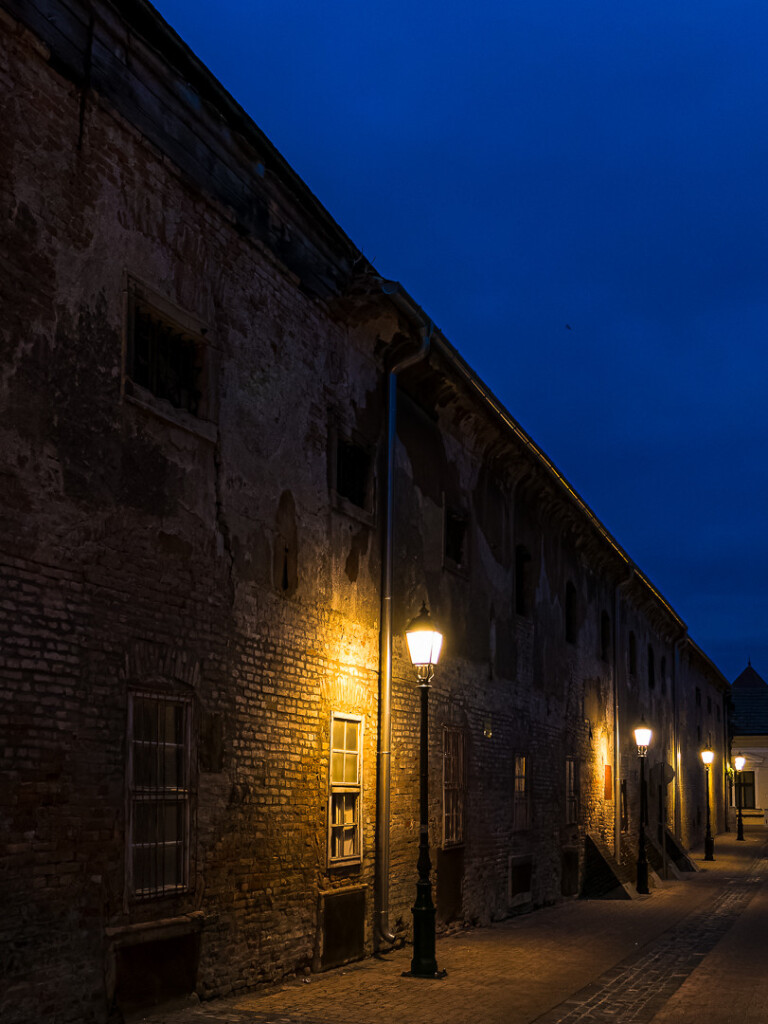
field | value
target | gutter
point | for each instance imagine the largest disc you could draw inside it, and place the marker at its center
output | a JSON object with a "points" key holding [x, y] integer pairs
{"points": [[382, 930]]}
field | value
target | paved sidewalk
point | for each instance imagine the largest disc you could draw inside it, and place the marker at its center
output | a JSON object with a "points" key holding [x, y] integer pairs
{"points": [[693, 950]]}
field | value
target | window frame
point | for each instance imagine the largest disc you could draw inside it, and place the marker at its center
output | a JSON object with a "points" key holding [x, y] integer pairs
{"points": [[338, 436], [454, 787], [572, 790], [161, 795], [521, 794], [344, 789]]}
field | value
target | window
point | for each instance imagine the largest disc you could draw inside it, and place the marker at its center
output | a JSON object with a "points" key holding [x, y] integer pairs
{"points": [[522, 580], [164, 358], [453, 787], [605, 636], [651, 669], [663, 672], [747, 789], [571, 627], [698, 697], [353, 473], [521, 803], [571, 791], [345, 779], [159, 739], [455, 538], [632, 651]]}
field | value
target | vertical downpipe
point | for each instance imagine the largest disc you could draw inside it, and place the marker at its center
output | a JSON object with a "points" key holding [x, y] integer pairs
{"points": [[383, 932]]}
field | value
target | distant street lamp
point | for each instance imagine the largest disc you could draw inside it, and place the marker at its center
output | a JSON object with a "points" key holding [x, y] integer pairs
{"points": [[424, 643], [708, 756], [642, 739], [738, 762]]}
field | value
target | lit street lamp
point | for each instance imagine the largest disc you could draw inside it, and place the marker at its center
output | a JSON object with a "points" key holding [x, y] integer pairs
{"points": [[424, 643], [708, 756], [642, 739], [738, 762]]}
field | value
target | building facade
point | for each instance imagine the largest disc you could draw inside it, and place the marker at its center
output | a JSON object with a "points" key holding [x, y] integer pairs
{"points": [[749, 694], [234, 463]]}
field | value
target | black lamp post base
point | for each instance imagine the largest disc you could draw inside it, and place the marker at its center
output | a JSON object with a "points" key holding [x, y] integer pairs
{"points": [[709, 848], [642, 879], [423, 963]]}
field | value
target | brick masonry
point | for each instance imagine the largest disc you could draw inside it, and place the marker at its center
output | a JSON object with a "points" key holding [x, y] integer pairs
{"points": [[146, 548]]}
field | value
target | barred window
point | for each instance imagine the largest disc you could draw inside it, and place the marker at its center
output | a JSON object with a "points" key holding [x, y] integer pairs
{"points": [[521, 800], [159, 738], [163, 358], [345, 777], [571, 791], [453, 787]]}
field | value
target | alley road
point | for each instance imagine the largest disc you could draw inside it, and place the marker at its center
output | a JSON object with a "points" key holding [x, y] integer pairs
{"points": [[694, 950]]}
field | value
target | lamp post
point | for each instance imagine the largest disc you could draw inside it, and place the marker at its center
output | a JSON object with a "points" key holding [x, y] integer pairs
{"points": [[642, 739], [708, 756], [738, 762], [424, 643]]}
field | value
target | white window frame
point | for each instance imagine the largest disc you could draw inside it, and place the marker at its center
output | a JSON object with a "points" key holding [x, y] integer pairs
{"points": [[345, 792], [454, 786], [161, 796]]}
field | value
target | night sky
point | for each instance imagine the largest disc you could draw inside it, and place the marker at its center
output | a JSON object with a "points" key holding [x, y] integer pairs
{"points": [[576, 194]]}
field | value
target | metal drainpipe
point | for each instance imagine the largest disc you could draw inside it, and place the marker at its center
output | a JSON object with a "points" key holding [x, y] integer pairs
{"points": [[616, 718], [677, 671], [381, 887]]}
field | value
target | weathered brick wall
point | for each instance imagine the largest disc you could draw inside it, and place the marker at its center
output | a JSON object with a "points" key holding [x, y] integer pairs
{"points": [[144, 547]]}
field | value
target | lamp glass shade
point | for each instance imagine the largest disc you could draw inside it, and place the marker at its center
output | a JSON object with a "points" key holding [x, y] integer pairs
{"points": [[643, 736], [739, 761], [707, 756], [424, 640], [424, 646]]}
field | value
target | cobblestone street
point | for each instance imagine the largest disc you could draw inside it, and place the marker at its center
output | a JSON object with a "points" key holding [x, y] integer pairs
{"points": [[694, 949]]}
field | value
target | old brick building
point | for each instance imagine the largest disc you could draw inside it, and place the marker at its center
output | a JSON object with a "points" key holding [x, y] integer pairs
{"points": [[202, 641]]}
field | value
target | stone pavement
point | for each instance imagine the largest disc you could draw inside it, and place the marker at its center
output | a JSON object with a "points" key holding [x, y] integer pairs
{"points": [[694, 951]]}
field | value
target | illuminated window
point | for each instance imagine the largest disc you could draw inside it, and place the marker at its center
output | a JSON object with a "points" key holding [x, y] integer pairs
{"points": [[453, 787], [521, 802], [345, 776], [571, 791], [159, 793]]}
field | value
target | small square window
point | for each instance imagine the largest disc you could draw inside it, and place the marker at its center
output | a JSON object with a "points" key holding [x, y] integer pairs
{"points": [[352, 477]]}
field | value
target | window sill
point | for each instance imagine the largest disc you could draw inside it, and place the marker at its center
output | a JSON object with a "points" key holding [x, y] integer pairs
{"points": [[150, 931], [163, 410], [347, 508]]}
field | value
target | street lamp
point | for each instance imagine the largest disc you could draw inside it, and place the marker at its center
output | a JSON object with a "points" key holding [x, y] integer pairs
{"points": [[738, 762], [642, 739], [708, 756], [424, 643]]}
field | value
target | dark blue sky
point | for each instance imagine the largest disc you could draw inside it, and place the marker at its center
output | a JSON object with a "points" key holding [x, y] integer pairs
{"points": [[523, 166]]}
